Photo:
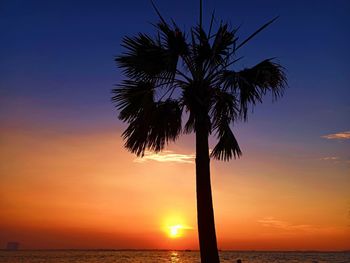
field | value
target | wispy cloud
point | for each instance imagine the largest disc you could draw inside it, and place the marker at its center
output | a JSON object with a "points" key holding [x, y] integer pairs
{"points": [[275, 223], [338, 136], [330, 158], [166, 156], [335, 160]]}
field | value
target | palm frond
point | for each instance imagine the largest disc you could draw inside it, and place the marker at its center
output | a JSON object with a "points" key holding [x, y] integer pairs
{"points": [[224, 38], [255, 33], [173, 39], [157, 11], [227, 146], [166, 124], [252, 84], [144, 58], [153, 128], [224, 107], [201, 50], [132, 98]]}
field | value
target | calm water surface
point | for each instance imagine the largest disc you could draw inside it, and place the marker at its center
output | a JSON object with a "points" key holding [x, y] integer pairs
{"points": [[70, 256]]}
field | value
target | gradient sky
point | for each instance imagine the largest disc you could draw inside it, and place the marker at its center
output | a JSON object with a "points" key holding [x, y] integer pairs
{"points": [[67, 182]]}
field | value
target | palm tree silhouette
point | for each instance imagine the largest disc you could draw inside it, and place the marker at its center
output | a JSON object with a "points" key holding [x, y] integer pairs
{"points": [[174, 73]]}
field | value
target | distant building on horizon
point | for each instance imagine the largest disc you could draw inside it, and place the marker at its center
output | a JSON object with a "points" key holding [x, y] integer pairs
{"points": [[12, 246]]}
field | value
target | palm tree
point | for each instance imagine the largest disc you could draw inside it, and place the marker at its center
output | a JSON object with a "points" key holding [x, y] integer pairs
{"points": [[174, 73]]}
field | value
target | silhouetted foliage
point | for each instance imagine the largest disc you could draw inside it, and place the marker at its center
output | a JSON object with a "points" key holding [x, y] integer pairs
{"points": [[170, 73]]}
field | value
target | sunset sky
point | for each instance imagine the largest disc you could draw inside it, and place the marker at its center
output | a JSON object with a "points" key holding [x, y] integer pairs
{"points": [[67, 182]]}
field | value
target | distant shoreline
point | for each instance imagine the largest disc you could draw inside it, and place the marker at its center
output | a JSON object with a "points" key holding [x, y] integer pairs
{"points": [[187, 250]]}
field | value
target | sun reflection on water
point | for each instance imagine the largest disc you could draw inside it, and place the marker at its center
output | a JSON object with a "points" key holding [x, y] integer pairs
{"points": [[174, 256]]}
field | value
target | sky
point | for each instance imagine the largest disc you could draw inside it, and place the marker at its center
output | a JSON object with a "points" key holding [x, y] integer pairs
{"points": [[67, 182]]}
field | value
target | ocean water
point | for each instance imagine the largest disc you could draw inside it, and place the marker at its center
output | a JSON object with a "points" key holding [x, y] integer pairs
{"points": [[96, 256]]}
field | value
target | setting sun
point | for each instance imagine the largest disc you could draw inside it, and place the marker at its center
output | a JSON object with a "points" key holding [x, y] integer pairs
{"points": [[175, 226], [175, 231]]}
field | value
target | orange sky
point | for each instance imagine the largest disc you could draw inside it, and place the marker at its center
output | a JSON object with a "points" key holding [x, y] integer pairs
{"points": [[83, 190]]}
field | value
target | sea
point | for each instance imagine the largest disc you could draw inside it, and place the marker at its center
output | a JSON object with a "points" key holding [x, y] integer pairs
{"points": [[135, 256]]}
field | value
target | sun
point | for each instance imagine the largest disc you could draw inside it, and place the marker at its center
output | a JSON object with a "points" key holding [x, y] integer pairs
{"points": [[175, 231], [175, 226]]}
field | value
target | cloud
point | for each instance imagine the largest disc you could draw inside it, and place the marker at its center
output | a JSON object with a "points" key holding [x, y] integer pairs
{"points": [[330, 158], [338, 136], [274, 223], [335, 160], [166, 156]]}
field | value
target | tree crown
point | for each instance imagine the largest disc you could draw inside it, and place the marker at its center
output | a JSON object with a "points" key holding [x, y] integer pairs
{"points": [[175, 72]]}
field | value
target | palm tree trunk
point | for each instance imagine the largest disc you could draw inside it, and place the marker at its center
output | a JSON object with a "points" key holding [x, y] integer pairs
{"points": [[205, 213]]}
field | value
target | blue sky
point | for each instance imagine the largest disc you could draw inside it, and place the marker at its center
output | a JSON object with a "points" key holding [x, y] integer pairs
{"points": [[62, 49], [57, 60]]}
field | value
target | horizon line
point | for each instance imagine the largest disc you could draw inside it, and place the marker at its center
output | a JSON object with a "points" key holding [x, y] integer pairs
{"points": [[184, 250]]}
